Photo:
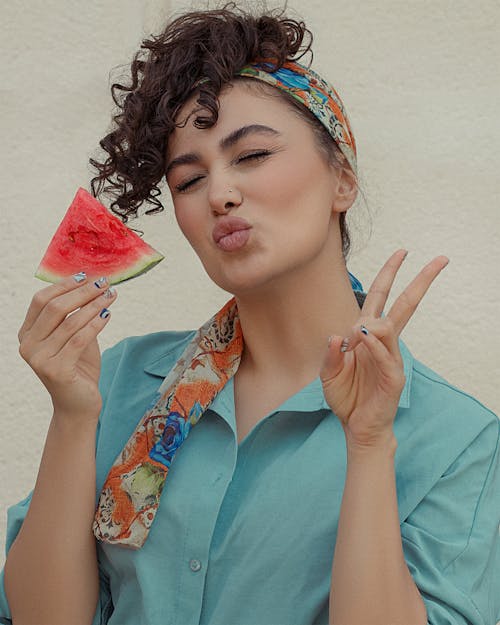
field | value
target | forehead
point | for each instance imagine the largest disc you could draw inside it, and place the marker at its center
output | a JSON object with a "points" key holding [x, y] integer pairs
{"points": [[240, 103]]}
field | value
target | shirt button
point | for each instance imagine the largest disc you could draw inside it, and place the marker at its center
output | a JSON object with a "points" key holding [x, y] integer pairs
{"points": [[195, 565]]}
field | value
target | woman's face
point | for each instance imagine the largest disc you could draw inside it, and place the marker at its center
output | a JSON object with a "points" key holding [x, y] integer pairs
{"points": [[260, 163]]}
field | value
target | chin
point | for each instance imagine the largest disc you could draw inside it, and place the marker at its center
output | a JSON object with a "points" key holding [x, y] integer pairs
{"points": [[256, 273], [244, 282], [238, 287]]}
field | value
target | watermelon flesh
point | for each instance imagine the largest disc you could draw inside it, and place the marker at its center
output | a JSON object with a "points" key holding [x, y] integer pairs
{"points": [[92, 239]]}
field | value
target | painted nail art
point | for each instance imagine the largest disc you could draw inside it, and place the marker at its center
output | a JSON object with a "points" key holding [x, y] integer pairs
{"points": [[100, 283], [364, 330], [104, 313], [345, 345], [79, 277], [109, 293]]}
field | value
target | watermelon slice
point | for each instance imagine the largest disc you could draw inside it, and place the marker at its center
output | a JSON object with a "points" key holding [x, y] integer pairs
{"points": [[91, 239]]}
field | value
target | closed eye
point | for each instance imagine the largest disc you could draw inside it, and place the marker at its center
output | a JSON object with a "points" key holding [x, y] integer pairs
{"points": [[255, 155], [185, 185], [260, 155]]}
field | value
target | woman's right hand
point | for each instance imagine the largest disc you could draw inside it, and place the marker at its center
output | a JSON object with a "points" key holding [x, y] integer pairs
{"points": [[58, 340]]}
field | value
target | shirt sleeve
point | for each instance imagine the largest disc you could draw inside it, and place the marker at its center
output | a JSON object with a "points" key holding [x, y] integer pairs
{"points": [[17, 513], [451, 539]]}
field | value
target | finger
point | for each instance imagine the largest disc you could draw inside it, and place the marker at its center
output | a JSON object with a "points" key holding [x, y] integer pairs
{"points": [[57, 366], [333, 362], [63, 333], [78, 343], [382, 328], [406, 304], [43, 296], [50, 310], [378, 293], [390, 370]]}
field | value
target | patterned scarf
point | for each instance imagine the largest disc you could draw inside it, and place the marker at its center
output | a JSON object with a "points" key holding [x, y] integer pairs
{"points": [[131, 492]]}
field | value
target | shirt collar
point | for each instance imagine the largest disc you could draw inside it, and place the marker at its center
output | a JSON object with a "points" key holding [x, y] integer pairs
{"points": [[310, 397]]}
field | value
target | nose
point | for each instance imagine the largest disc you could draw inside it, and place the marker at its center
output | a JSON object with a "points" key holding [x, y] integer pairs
{"points": [[224, 197]]}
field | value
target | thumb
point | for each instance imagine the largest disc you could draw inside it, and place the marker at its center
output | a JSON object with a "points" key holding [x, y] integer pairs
{"points": [[333, 362]]}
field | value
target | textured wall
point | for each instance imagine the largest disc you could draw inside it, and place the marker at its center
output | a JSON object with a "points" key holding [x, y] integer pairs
{"points": [[420, 84]]}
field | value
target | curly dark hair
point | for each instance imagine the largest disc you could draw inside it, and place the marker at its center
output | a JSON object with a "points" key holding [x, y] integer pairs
{"points": [[211, 44]]}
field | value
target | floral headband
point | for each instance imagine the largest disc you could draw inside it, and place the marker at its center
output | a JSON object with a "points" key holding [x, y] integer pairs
{"points": [[315, 93]]}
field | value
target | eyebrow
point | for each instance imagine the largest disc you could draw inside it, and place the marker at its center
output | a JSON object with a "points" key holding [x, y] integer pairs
{"points": [[224, 144]]}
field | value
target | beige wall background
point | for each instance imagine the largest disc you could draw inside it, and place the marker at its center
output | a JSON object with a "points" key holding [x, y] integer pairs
{"points": [[420, 82]]}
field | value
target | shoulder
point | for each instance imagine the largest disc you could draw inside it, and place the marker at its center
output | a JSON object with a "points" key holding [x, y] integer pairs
{"points": [[451, 405], [155, 352], [133, 369], [441, 425]]}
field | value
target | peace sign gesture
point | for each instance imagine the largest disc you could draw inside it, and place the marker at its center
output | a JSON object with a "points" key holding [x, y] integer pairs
{"points": [[363, 384]]}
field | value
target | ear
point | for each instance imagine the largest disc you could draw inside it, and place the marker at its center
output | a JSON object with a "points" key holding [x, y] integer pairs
{"points": [[346, 190]]}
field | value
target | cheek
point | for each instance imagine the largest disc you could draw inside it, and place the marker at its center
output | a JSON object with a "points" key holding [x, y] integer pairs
{"points": [[295, 182], [187, 221], [278, 188]]}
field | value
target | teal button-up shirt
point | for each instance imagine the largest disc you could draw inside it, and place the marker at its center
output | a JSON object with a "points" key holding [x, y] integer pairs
{"points": [[245, 534]]}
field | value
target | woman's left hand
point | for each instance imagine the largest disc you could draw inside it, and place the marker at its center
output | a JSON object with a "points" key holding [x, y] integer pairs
{"points": [[363, 385]]}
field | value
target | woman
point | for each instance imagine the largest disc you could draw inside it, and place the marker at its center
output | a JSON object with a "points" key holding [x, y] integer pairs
{"points": [[322, 483]]}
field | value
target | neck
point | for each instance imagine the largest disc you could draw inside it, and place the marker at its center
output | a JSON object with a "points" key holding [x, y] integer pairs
{"points": [[286, 326]]}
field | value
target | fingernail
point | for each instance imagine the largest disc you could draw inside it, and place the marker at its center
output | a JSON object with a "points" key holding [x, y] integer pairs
{"points": [[79, 277], [330, 339], [406, 254], [364, 330], [109, 293], [100, 283], [345, 345], [104, 313]]}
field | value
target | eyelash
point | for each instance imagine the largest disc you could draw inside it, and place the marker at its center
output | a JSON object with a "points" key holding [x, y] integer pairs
{"points": [[254, 155]]}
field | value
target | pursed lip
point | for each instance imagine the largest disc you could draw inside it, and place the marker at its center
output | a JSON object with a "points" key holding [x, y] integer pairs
{"points": [[227, 225]]}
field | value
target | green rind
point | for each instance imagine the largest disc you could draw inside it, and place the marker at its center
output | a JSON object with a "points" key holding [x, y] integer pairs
{"points": [[141, 266], [123, 261]]}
